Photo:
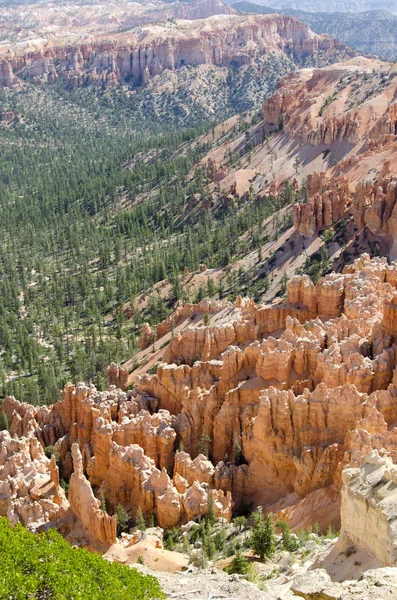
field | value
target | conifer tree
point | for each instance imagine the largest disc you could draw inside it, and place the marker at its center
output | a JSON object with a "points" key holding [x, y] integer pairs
{"points": [[140, 523], [263, 539], [3, 421], [122, 519]]}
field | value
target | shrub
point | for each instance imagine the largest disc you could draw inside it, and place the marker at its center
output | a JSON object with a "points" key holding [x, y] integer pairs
{"points": [[280, 125], [153, 368], [50, 450], [241, 523], [240, 565], [220, 539], [45, 566], [203, 446], [331, 533], [199, 559], [209, 547], [171, 538]]}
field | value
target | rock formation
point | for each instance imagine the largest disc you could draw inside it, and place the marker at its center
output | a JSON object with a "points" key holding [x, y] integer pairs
{"points": [[127, 450], [314, 388], [374, 584], [368, 538], [29, 482], [85, 506], [347, 112], [117, 375], [368, 510], [145, 52], [280, 398], [146, 338]]}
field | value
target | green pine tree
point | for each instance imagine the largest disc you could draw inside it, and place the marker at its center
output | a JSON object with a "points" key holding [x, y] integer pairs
{"points": [[263, 539], [140, 523], [239, 565], [122, 519], [3, 421], [289, 543]]}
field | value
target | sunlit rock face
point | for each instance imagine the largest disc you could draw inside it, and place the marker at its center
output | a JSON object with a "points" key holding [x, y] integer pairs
{"points": [[269, 403], [144, 52]]}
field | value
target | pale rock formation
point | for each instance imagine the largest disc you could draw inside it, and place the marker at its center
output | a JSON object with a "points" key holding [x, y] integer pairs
{"points": [[374, 584], [369, 508], [117, 375], [343, 112], [253, 395], [328, 199], [148, 51], [187, 311], [29, 482], [127, 451]]}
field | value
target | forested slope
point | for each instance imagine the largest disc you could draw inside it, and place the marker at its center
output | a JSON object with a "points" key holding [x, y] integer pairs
{"points": [[93, 195]]}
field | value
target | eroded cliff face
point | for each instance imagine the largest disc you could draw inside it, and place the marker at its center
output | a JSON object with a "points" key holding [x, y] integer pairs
{"points": [[145, 52], [280, 397], [29, 482], [295, 392], [347, 113], [372, 204]]}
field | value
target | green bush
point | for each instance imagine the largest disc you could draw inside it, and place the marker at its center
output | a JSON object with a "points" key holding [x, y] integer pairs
{"points": [[209, 547], [140, 522], [220, 539], [45, 566], [50, 450], [289, 543], [240, 565]]}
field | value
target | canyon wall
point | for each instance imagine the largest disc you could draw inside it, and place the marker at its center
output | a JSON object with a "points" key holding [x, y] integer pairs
{"points": [[148, 51], [347, 114]]}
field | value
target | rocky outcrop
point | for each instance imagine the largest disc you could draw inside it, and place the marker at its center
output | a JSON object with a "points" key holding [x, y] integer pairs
{"points": [[328, 199], [127, 449], [372, 204], [323, 107], [188, 311], [148, 51], [201, 9], [374, 584], [117, 375], [85, 506], [29, 482], [314, 388], [368, 511], [146, 338]]}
